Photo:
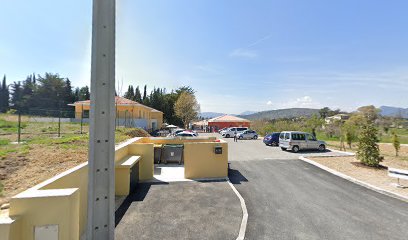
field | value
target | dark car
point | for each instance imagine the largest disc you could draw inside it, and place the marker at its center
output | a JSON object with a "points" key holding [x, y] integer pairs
{"points": [[272, 139]]}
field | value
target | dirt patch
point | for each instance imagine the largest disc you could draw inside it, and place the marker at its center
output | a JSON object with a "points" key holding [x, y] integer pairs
{"points": [[22, 171], [374, 176]]}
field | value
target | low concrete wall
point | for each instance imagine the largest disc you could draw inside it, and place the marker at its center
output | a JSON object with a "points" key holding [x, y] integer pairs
{"points": [[62, 200], [146, 165], [200, 160]]}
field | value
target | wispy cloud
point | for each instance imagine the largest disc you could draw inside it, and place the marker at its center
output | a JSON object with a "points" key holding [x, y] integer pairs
{"points": [[244, 53], [260, 40]]}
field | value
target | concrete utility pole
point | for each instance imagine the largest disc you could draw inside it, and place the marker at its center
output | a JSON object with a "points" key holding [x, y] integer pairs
{"points": [[101, 186]]}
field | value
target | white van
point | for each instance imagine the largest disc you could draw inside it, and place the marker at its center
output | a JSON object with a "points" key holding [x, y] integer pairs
{"points": [[230, 132], [296, 141]]}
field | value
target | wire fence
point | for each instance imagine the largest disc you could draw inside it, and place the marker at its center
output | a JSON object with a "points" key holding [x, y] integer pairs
{"points": [[37, 123]]}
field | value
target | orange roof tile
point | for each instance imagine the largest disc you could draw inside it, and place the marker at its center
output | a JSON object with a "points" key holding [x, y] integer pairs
{"points": [[228, 118]]}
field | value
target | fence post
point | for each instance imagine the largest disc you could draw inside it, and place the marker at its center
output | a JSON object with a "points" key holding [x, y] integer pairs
{"points": [[82, 115], [19, 127], [59, 123]]}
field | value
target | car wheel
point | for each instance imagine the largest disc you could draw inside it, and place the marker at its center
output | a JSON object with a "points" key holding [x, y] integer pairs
{"points": [[283, 149], [240, 137], [274, 144], [295, 149], [255, 137], [227, 136], [322, 148]]}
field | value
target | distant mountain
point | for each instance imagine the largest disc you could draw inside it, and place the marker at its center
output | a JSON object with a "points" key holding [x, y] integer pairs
{"points": [[394, 111], [210, 114], [247, 113], [282, 113]]}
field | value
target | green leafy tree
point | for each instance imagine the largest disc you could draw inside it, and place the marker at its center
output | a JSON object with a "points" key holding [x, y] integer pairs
{"points": [[84, 94], [368, 150], [324, 112], [396, 143], [349, 131], [313, 123], [186, 108], [370, 113]]}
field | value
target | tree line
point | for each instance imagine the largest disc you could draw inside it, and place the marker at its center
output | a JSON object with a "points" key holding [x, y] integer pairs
{"points": [[162, 100], [49, 95]]}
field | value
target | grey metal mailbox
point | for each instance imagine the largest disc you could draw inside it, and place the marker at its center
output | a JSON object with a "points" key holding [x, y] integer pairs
{"points": [[218, 150]]}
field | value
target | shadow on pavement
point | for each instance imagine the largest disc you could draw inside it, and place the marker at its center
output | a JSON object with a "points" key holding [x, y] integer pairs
{"points": [[137, 196], [235, 176]]}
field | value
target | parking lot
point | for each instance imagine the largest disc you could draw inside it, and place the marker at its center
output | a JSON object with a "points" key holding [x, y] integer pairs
{"points": [[248, 150], [289, 199]]}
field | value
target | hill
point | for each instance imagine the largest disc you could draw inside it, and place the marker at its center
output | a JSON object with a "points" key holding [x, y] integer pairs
{"points": [[394, 111], [247, 113], [210, 114], [282, 113]]}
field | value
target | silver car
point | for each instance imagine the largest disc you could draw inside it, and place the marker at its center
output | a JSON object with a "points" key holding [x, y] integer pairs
{"points": [[296, 141], [247, 134]]}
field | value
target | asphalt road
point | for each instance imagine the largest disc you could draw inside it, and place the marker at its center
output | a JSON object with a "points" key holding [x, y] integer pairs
{"points": [[180, 210], [290, 199]]}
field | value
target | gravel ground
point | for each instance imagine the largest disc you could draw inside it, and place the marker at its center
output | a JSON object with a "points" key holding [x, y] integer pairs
{"points": [[377, 177]]}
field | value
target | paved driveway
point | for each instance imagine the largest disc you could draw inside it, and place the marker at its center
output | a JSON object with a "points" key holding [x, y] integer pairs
{"points": [[183, 210], [290, 199]]}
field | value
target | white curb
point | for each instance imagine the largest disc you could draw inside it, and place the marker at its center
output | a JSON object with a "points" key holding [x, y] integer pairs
{"points": [[351, 179], [244, 221]]}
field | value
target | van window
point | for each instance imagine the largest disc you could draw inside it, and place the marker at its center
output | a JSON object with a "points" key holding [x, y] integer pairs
{"points": [[287, 136], [310, 137], [282, 136], [298, 136]]}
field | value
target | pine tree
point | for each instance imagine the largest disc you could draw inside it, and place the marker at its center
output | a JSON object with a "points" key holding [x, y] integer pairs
{"points": [[138, 95], [368, 150], [16, 95], [145, 93], [4, 95], [129, 94]]}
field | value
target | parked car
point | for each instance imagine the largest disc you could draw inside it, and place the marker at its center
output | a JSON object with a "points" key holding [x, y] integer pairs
{"points": [[272, 139], [296, 141], [186, 134], [247, 134], [221, 130], [230, 132]]}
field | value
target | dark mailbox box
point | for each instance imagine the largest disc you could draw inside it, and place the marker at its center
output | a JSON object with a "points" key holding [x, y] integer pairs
{"points": [[218, 150]]}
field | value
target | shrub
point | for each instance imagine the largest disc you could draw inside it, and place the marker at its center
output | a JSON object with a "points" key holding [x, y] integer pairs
{"points": [[135, 132], [396, 143], [368, 150]]}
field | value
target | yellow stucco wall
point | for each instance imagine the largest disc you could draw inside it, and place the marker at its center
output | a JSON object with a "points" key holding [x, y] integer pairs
{"points": [[75, 179], [11, 230], [146, 164], [129, 112], [39, 211], [200, 161]]}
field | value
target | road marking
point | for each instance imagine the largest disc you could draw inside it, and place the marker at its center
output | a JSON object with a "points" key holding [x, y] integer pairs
{"points": [[244, 221]]}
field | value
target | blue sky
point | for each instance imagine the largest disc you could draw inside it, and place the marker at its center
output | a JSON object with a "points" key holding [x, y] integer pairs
{"points": [[238, 55]]}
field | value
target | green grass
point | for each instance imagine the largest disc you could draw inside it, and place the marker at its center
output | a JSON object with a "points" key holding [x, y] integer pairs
{"points": [[4, 151], [4, 142]]}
